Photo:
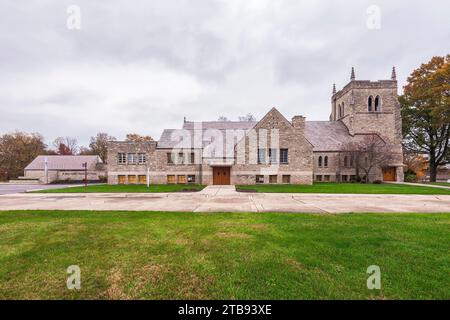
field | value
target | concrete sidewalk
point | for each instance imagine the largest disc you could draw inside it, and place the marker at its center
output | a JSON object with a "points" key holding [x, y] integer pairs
{"points": [[227, 200], [420, 184]]}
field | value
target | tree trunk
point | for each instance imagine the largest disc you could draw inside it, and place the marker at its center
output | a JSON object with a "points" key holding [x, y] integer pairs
{"points": [[433, 166], [433, 172]]}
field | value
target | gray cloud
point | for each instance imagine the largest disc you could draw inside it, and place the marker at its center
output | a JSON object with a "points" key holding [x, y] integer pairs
{"points": [[142, 66]]}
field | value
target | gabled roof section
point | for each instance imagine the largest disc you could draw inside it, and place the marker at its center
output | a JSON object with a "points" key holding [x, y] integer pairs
{"points": [[63, 162], [275, 114]]}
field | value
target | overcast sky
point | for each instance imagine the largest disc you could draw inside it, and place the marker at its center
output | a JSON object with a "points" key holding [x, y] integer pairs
{"points": [[141, 66]]}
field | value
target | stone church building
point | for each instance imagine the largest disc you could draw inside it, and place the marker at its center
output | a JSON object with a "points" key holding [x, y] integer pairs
{"points": [[274, 149]]}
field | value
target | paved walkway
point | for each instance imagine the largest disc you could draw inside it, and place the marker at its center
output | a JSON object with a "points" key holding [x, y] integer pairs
{"points": [[421, 184], [10, 188], [226, 199]]}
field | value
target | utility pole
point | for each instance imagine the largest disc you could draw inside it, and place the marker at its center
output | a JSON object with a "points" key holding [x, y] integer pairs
{"points": [[85, 175], [46, 169]]}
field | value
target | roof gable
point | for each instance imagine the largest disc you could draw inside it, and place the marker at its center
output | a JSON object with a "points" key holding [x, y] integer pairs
{"points": [[273, 120]]}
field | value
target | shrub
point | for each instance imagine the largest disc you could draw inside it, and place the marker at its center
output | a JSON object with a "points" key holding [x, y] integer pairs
{"points": [[410, 176]]}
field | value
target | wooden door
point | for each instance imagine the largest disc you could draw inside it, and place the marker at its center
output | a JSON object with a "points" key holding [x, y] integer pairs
{"points": [[221, 175], [389, 174]]}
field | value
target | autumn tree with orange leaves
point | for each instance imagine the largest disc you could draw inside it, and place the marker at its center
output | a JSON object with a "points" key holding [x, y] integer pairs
{"points": [[425, 107]]}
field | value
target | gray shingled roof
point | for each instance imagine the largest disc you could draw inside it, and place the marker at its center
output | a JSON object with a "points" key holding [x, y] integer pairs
{"points": [[63, 162], [330, 135], [323, 135], [171, 138], [220, 125]]}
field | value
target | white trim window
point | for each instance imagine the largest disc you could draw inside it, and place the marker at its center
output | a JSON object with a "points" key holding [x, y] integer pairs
{"points": [[261, 156], [142, 158], [132, 158], [121, 158], [273, 155]]}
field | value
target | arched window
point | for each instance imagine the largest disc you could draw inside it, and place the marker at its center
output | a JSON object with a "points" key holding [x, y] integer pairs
{"points": [[345, 161], [343, 111], [377, 103], [320, 161], [370, 104], [351, 161], [325, 161]]}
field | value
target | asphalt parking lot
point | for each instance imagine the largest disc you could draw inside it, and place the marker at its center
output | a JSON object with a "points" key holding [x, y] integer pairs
{"points": [[7, 188]]}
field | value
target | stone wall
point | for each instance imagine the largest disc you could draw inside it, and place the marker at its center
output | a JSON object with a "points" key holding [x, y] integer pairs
{"points": [[386, 122], [288, 136]]}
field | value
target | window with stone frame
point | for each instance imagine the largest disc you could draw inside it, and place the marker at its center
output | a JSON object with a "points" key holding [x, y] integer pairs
{"points": [[191, 178], [259, 178], [142, 179], [132, 158], [132, 179], [318, 177], [345, 161], [377, 103], [180, 158], [121, 158], [181, 179], [261, 156], [169, 158], [171, 178], [273, 178], [142, 158], [286, 178], [320, 161], [370, 104], [284, 156], [344, 178], [273, 155], [325, 161], [192, 158], [326, 177]]}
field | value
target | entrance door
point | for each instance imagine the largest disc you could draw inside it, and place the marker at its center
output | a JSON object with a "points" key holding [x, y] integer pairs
{"points": [[389, 174], [221, 175]]}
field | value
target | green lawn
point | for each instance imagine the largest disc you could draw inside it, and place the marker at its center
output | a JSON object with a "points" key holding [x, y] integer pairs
{"points": [[144, 255], [136, 188], [329, 187]]}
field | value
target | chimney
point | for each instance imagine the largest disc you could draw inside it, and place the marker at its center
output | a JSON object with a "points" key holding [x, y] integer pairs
{"points": [[298, 122]]}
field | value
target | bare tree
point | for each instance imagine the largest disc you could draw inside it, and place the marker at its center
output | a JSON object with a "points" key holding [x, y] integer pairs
{"points": [[222, 118], [367, 154], [134, 137], [99, 145], [66, 146], [247, 117]]}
